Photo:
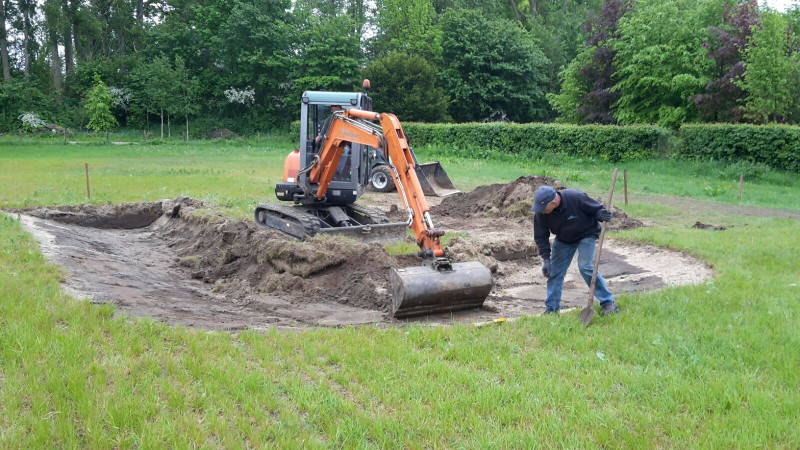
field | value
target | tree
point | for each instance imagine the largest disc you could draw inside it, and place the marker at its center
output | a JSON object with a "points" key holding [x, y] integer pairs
{"points": [[408, 26], [770, 70], [330, 57], [155, 86], [98, 106], [597, 75], [660, 60], [492, 69], [722, 97], [408, 87], [573, 89], [186, 92], [52, 14], [4, 43]]}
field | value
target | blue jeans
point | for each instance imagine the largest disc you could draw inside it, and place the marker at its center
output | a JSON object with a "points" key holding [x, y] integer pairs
{"points": [[560, 259]]}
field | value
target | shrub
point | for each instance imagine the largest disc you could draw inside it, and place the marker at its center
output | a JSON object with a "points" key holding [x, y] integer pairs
{"points": [[611, 143], [777, 146]]}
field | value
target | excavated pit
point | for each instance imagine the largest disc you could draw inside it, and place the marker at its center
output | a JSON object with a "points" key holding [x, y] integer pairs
{"points": [[183, 262]]}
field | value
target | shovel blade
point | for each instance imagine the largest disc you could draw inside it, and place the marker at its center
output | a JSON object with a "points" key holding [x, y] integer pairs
{"points": [[586, 315]]}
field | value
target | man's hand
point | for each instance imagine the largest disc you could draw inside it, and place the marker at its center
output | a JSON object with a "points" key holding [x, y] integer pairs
{"points": [[546, 268], [605, 216]]}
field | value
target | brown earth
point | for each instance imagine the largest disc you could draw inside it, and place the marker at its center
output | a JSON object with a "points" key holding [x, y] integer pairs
{"points": [[183, 262]]}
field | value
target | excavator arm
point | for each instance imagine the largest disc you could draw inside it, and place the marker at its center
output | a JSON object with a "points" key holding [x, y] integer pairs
{"points": [[355, 126]]}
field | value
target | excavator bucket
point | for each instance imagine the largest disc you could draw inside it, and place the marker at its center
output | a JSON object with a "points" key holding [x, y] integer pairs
{"points": [[434, 180], [423, 290]]}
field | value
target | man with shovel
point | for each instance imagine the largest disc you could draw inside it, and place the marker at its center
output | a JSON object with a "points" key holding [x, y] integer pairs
{"points": [[572, 216]]}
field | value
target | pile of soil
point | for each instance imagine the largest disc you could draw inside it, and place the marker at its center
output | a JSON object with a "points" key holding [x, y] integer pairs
{"points": [[513, 200]]}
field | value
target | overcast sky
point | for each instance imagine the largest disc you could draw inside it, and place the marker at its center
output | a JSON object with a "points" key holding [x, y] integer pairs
{"points": [[780, 5]]}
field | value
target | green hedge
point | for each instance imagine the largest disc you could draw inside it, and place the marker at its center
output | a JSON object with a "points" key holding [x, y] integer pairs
{"points": [[613, 143], [777, 146]]}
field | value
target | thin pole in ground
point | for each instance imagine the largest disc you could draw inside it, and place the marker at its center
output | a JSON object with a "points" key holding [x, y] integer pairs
{"points": [[65, 135], [625, 179], [88, 192], [20, 134], [741, 182]]}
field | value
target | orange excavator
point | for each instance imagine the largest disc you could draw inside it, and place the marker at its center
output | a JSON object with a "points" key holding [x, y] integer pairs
{"points": [[438, 284]]}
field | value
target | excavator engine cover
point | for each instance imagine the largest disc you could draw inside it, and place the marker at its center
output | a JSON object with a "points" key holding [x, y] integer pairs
{"points": [[423, 290]]}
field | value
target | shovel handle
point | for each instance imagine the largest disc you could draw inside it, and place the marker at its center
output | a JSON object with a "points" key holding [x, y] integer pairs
{"points": [[602, 238]]}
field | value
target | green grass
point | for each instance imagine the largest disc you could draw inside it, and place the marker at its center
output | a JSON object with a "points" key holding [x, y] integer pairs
{"points": [[710, 365]]}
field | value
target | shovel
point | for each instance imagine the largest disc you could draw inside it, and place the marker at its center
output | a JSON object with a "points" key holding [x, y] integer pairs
{"points": [[587, 314]]}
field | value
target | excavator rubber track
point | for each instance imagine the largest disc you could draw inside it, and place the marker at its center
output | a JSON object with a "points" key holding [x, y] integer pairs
{"points": [[302, 222], [292, 221]]}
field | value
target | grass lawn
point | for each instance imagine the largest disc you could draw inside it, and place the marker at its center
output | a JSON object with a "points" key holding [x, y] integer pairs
{"points": [[709, 365]]}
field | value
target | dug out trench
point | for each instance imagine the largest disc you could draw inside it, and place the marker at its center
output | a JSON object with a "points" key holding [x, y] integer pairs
{"points": [[183, 262]]}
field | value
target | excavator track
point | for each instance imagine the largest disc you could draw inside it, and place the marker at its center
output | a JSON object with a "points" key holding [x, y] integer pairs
{"points": [[289, 220]]}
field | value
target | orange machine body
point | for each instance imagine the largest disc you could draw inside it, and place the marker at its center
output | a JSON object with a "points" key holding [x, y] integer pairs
{"points": [[291, 166]]}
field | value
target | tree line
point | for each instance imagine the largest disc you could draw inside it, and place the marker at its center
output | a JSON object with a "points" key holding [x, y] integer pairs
{"points": [[243, 64]]}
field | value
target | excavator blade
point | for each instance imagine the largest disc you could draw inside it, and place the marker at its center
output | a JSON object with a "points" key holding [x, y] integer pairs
{"points": [[423, 290], [434, 180]]}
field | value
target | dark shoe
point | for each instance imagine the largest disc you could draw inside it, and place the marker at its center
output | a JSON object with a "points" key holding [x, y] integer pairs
{"points": [[552, 311], [609, 309]]}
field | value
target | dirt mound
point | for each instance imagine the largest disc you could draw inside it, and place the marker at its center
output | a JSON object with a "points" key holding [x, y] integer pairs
{"points": [[513, 200], [125, 215], [241, 260], [507, 200]]}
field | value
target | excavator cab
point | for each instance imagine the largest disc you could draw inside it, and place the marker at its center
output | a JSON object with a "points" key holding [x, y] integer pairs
{"points": [[316, 110]]}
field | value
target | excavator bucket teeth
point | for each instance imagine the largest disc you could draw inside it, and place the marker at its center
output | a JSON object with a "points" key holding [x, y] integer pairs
{"points": [[434, 180], [422, 290]]}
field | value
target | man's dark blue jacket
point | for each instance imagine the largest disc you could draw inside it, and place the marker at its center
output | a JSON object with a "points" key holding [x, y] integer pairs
{"points": [[573, 220]]}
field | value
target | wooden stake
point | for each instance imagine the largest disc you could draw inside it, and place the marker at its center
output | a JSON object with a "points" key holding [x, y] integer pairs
{"points": [[65, 135], [741, 182], [88, 192], [625, 179]]}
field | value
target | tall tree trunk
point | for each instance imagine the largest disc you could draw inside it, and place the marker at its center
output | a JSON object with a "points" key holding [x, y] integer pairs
{"points": [[27, 8], [187, 127], [76, 37], [140, 12], [162, 123], [76, 30], [4, 43], [68, 61], [563, 8], [121, 48], [55, 59], [88, 50], [516, 10], [532, 8], [169, 128]]}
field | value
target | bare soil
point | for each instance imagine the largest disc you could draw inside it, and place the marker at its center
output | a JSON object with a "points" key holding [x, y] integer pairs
{"points": [[183, 262]]}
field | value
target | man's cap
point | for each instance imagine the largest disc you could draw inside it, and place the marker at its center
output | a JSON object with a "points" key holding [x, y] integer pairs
{"points": [[543, 196]]}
